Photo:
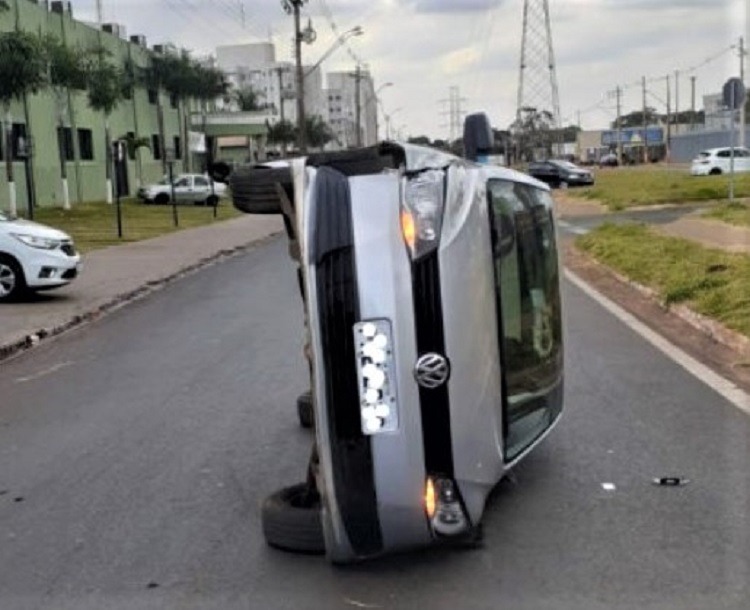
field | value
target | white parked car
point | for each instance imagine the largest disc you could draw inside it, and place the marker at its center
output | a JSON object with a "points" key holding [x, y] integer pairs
{"points": [[716, 161], [34, 257], [188, 188]]}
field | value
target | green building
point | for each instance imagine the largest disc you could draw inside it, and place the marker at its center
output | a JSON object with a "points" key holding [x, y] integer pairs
{"points": [[83, 137]]}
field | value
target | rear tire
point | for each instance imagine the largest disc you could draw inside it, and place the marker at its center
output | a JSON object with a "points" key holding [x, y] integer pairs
{"points": [[715, 171], [291, 520], [212, 201], [12, 279], [161, 199], [254, 189]]}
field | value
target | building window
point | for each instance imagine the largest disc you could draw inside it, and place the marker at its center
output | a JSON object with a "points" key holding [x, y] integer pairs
{"points": [[153, 96], [20, 143], [65, 142], [173, 100], [86, 144], [156, 146], [177, 148]]}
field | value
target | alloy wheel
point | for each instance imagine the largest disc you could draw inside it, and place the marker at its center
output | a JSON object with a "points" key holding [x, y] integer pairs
{"points": [[7, 280]]}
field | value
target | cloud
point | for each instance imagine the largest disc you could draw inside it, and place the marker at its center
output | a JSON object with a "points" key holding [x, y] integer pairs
{"points": [[455, 6]]}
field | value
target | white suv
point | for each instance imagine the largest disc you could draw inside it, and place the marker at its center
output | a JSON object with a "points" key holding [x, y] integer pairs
{"points": [[34, 257], [716, 161]]}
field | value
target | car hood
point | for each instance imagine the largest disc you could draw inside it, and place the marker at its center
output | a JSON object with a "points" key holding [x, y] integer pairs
{"points": [[27, 227]]}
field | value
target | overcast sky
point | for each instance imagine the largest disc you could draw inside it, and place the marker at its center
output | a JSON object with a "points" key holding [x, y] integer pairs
{"points": [[426, 46]]}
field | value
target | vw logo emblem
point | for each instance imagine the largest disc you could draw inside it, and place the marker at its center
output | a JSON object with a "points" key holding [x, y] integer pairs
{"points": [[432, 370]]}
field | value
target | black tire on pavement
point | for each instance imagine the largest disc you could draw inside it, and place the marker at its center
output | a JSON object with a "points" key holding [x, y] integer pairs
{"points": [[12, 278], [305, 410], [161, 199], [254, 189], [291, 520], [212, 201]]}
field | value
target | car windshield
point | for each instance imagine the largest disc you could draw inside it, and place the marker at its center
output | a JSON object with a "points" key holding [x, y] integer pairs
{"points": [[140, 453]]}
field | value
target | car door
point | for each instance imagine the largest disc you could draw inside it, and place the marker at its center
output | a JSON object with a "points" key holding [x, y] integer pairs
{"points": [[742, 160], [202, 189], [183, 189], [527, 290]]}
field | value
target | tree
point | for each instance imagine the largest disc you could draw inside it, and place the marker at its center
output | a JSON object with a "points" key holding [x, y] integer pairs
{"points": [[533, 130], [318, 131], [282, 132], [105, 90], [248, 99], [636, 119], [66, 68], [419, 140], [22, 71]]}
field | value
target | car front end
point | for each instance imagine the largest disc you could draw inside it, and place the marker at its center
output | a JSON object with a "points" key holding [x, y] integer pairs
{"points": [[48, 257], [408, 370]]}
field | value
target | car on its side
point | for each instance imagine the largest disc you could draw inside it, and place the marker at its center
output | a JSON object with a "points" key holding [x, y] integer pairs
{"points": [[34, 257], [560, 174], [715, 161], [193, 189]]}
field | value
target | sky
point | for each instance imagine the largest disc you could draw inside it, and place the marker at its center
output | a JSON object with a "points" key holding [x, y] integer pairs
{"points": [[424, 47]]}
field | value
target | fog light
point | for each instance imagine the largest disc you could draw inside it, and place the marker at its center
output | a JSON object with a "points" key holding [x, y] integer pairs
{"points": [[376, 376], [47, 273], [443, 508]]}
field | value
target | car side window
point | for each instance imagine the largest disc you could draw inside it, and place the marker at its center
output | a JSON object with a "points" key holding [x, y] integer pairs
{"points": [[724, 154], [182, 183], [201, 182]]}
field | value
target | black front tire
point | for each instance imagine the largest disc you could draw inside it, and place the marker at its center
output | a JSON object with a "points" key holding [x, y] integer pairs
{"points": [[291, 520], [715, 172], [161, 199], [254, 189], [12, 279], [212, 201]]}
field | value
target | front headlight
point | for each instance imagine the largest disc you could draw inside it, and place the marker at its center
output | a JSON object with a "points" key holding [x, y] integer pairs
{"points": [[43, 243], [422, 205]]}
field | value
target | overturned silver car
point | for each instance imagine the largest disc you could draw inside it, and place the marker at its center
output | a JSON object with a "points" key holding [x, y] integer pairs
{"points": [[432, 297]]}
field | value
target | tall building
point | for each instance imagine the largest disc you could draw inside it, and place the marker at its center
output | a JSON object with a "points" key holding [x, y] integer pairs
{"points": [[342, 93], [254, 66]]}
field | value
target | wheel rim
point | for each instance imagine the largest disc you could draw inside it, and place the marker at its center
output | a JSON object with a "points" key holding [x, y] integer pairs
{"points": [[7, 280]]}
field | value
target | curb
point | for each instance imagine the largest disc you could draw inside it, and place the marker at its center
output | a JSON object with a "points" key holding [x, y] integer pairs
{"points": [[708, 326], [118, 301]]}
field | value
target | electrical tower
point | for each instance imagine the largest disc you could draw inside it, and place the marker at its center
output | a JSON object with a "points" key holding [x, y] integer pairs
{"points": [[454, 113], [538, 97]]}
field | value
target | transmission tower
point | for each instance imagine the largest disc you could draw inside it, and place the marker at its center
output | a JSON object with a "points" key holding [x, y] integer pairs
{"points": [[537, 82], [455, 112]]}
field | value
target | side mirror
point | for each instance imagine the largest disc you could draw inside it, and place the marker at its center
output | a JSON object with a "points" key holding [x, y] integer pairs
{"points": [[220, 171], [478, 139]]}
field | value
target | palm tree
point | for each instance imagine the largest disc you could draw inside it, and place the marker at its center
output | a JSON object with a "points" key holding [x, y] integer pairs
{"points": [[105, 90], [22, 71], [66, 70]]}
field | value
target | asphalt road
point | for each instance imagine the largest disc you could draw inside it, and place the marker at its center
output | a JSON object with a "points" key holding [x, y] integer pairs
{"points": [[134, 455]]}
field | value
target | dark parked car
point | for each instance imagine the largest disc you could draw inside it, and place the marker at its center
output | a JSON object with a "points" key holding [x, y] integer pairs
{"points": [[560, 174]]}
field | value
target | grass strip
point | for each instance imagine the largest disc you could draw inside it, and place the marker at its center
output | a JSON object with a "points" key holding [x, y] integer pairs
{"points": [[712, 282], [737, 214], [94, 225], [624, 187]]}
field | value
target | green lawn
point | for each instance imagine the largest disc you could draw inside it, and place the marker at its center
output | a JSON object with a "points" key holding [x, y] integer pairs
{"points": [[624, 187], [734, 214], [712, 282], [94, 225]]}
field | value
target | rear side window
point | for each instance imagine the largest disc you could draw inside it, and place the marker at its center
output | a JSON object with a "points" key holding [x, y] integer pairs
{"points": [[724, 154]]}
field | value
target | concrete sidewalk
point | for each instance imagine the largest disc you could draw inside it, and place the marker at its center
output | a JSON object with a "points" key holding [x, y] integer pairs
{"points": [[114, 275]]}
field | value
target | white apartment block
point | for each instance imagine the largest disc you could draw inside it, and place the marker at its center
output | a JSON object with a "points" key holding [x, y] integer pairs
{"points": [[342, 103]]}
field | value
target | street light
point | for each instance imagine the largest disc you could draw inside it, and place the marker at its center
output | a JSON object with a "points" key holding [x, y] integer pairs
{"points": [[355, 31], [388, 118], [377, 103]]}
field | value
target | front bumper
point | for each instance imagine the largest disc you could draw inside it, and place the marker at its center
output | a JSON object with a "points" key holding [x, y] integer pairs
{"points": [[45, 269]]}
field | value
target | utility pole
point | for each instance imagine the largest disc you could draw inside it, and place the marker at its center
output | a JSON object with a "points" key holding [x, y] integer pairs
{"points": [[293, 7], [645, 121], [669, 119], [742, 78], [358, 106], [618, 93], [676, 99], [692, 103], [99, 13], [280, 74], [455, 112]]}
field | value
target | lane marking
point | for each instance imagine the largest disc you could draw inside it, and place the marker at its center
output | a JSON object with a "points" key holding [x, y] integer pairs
{"points": [[44, 373], [723, 386], [571, 228]]}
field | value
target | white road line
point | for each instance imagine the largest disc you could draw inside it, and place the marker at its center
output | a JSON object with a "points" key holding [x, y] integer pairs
{"points": [[716, 382], [45, 372]]}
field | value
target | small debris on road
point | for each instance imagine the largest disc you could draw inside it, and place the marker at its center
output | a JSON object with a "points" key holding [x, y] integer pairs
{"points": [[609, 486], [152, 585], [670, 481], [19, 499]]}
